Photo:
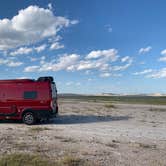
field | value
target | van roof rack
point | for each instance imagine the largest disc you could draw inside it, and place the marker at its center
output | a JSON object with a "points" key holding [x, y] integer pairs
{"points": [[47, 78]]}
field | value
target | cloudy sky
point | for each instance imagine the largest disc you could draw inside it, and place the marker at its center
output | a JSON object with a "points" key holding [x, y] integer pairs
{"points": [[87, 46]]}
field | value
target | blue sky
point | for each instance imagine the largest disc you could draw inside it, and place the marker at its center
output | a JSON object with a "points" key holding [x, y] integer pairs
{"points": [[95, 46]]}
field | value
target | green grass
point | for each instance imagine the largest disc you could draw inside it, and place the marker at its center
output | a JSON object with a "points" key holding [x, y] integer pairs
{"points": [[24, 159], [110, 106], [18, 159], [120, 99], [38, 129], [148, 146], [157, 109], [72, 161]]}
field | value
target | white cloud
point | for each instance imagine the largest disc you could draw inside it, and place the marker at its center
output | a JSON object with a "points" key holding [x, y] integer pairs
{"points": [[145, 50], [69, 83], [90, 79], [123, 67], [14, 64], [110, 54], [10, 62], [126, 58], [56, 46], [143, 72], [109, 28], [29, 26], [22, 50], [63, 63], [50, 6], [105, 75], [31, 68], [23, 78], [162, 59], [26, 50], [74, 22], [78, 83], [158, 74], [40, 48], [103, 63], [163, 52]]}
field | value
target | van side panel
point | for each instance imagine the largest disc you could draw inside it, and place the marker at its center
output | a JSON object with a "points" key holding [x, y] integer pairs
{"points": [[17, 97]]}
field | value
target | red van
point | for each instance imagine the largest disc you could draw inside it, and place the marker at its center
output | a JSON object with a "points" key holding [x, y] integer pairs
{"points": [[28, 99]]}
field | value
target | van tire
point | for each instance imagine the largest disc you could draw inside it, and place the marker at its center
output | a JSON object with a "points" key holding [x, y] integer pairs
{"points": [[29, 118]]}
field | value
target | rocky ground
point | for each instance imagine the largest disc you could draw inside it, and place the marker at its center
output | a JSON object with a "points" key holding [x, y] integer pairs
{"points": [[101, 133]]}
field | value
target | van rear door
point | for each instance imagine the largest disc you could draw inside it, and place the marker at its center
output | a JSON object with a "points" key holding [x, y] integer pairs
{"points": [[7, 100]]}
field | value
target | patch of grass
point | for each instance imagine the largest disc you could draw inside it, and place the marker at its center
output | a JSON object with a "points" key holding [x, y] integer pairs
{"points": [[110, 106], [21, 146], [17, 159], [157, 109], [72, 161], [71, 140], [148, 146], [38, 129], [133, 99]]}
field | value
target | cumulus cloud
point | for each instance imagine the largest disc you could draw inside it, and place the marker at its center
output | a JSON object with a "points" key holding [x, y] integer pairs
{"points": [[10, 62], [163, 58], [101, 61], [129, 62], [124, 59], [158, 74], [163, 52], [50, 6], [26, 50], [105, 75], [63, 63], [22, 50], [40, 48], [145, 50], [146, 71], [56, 46], [30, 25], [31, 68], [107, 54]]}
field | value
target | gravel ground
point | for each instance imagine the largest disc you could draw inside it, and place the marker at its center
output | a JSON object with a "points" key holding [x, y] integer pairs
{"points": [[102, 133]]}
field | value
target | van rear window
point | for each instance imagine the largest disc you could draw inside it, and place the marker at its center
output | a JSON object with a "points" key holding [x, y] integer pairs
{"points": [[30, 95]]}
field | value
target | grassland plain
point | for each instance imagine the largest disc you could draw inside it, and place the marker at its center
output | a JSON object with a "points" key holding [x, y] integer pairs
{"points": [[130, 99], [91, 131]]}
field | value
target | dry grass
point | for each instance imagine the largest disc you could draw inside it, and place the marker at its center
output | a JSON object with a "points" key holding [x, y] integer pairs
{"points": [[157, 109], [148, 146], [72, 161], [18, 159], [39, 129], [110, 106]]}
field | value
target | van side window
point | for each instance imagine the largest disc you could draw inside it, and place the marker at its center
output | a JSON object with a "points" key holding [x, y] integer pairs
{"points": [[30, 95]]}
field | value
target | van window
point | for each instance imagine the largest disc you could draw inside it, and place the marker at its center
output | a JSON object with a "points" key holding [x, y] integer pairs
{"points": [[30, 95]]}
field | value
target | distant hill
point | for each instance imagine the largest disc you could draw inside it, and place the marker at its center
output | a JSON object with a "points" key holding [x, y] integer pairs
{"points": [[110, 94]]}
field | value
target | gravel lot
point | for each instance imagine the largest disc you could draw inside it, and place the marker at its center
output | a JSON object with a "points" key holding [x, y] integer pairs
{"points": [[102, 133]]}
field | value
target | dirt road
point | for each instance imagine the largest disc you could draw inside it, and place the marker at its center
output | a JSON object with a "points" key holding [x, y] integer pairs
{"points": [[99, 132]]}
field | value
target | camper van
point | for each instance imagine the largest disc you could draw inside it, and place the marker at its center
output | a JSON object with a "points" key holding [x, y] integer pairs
{"points": [[28, 100]]}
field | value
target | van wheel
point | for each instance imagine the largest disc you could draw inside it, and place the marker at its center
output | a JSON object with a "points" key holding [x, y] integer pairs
{"points": [[29, 118]]}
